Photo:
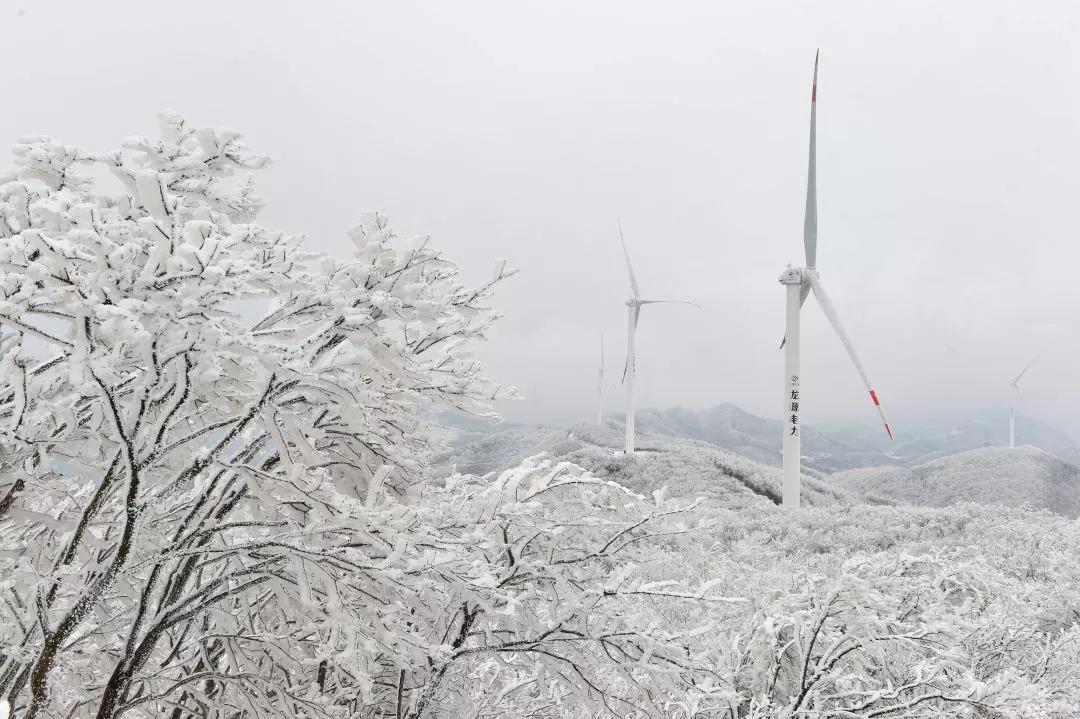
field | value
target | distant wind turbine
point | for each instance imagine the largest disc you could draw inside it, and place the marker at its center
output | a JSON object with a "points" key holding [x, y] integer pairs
{"points": [[633, 306], [1015, 384], [800, 281]]}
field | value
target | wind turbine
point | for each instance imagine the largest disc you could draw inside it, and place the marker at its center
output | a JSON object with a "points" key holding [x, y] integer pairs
{"points": [[633, 308], [1015, 384], [799, 282], [600, 385]]}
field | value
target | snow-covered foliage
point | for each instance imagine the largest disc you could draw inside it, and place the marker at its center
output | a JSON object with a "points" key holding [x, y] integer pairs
{"points": [[895, 611], [190, 501], [550, 612], [852, 610]]}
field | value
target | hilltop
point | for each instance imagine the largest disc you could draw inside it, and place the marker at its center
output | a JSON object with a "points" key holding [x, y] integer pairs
{"points": [[686, 467], [1024, 476]]}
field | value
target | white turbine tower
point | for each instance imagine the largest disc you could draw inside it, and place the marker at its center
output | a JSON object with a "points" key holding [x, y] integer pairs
{"points": [[1015, 384], [600, 385], [633, 307], [800, 281]]}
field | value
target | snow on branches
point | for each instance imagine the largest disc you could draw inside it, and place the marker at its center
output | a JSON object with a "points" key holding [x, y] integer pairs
{"points": [[552, 612], [184, 490]]}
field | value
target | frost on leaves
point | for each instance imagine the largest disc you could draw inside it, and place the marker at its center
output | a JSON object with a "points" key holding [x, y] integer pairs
{"points": [[188, 505]]}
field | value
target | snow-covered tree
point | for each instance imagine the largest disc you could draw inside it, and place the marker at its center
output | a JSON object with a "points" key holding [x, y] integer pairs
{"points": [[189, 499]]}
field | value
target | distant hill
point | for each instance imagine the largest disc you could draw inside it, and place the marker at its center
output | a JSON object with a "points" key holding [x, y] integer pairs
{"points": [[686, 467], [938, 437], [834, 447], [729, 453], [992, 475], [759, 438], [479, 454]]}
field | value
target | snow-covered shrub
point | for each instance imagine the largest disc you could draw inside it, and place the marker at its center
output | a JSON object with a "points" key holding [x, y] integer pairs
{"points": [[970, 612], [893, 635], [552, 611]]}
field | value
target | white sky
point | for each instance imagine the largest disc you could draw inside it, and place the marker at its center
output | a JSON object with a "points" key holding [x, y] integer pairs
{"points": [[947, 144]]}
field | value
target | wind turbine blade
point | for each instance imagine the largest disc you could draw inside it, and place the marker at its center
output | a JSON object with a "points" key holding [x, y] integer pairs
{"points": [[804, 293], [629, 267], [1023, 371], [810, 219], [834, 320], [669, 302]]}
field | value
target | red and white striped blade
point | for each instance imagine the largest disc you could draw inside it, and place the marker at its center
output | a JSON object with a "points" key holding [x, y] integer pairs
{"points": [[834, 320], [884, 419]]}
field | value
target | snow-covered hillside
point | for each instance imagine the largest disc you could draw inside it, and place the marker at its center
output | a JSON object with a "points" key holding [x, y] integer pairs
{"points": [[686, 467], [993, 475]]}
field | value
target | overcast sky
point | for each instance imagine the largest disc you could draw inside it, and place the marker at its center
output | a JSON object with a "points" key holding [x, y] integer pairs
{"points": [[947, 152]]}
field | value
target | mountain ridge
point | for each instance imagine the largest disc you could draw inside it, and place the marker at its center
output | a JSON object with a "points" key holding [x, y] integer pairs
{"points": [[1013, 477], [687, 467], [834, 447]]}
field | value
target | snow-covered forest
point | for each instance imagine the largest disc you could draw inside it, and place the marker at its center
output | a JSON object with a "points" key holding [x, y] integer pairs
{"points": [[220, 496]]}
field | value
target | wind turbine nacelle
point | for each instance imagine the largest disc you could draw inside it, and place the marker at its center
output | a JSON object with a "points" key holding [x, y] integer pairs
{"points": [[792, 276], [798, 276]]}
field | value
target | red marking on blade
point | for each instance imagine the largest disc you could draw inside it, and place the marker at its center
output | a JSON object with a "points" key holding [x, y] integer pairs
{"points": [[888, 430], [873, 396], [813, 94]]}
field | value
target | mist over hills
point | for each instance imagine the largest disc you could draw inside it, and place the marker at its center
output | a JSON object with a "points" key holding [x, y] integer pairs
{"points": [[835, 447], [936, 437], [1024, 476], [730, 427], [729, 454]]}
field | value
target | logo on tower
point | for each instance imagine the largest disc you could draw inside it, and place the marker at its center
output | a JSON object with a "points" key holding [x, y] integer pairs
{"points": [[793, 407]]}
